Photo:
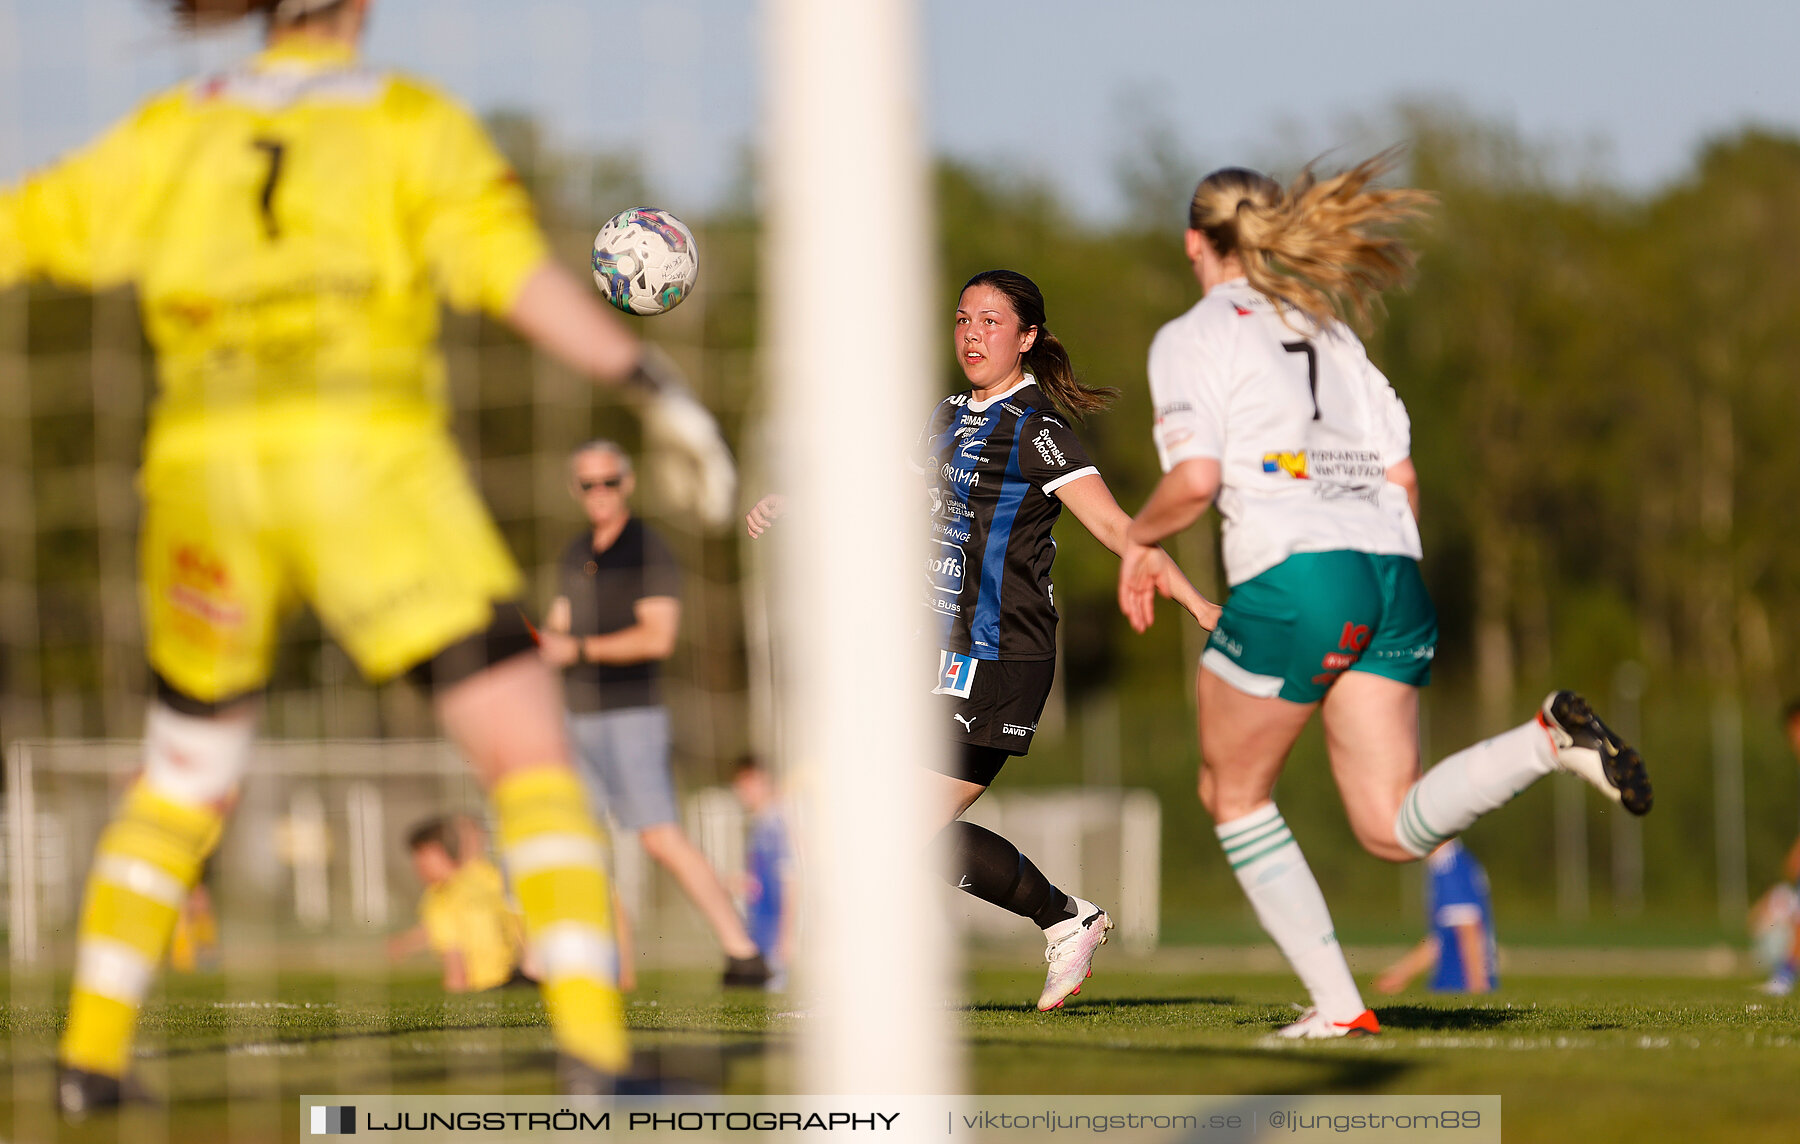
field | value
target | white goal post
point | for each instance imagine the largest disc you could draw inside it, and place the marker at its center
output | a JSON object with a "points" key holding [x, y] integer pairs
{"points": [[848, 241]]}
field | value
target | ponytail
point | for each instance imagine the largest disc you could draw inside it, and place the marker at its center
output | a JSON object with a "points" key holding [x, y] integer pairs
{"points": [[1049, 362], [1046, 360], [216, 13], [1320, 246]]}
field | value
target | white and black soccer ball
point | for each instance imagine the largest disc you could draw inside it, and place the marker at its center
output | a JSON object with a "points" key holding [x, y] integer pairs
{"points": [[645, 260]]}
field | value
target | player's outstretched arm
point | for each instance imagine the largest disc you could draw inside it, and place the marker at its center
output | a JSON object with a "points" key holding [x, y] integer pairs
{"points": [[1146, 572], [764, 513], [1152, 571], [407, 943], [1415, 961], [1179, 499], [1094, 506], [565, 319], [562, 317]]}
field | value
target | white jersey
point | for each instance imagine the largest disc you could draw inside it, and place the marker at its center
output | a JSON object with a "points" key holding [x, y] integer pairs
{"points": [[1303, 425]]}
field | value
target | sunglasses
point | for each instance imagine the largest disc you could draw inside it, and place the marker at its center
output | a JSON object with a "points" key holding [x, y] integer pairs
{"points": [[607, 483]]}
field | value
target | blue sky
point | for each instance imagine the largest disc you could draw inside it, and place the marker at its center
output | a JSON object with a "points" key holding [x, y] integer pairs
{"points": [[1054, 88]]}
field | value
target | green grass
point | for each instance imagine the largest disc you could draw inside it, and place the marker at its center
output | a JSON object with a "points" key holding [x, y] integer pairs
{"points": [[1594, 1060]]}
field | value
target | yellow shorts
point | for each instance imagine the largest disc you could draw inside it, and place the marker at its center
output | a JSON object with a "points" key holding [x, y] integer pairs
{"points": [[372, 521]]}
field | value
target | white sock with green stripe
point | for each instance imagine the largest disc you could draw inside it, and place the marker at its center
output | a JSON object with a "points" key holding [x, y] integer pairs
{"points": [[1281, 887], [1468, 784]]}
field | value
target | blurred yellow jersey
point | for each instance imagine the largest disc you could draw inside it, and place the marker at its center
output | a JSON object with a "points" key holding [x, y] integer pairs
{"points": [[290, 227]]}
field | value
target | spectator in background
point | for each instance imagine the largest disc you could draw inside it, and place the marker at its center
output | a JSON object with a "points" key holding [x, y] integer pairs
{"points": [[613, 623], [464, 917], [768, 867], [1460, 912], [1768, 908]]}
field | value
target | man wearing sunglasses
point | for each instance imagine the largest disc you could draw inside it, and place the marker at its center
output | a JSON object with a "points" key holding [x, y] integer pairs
{"points": [[611, 627]]}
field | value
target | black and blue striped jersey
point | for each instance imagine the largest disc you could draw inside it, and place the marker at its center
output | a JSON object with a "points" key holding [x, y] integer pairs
{"points": [[992, 469]]}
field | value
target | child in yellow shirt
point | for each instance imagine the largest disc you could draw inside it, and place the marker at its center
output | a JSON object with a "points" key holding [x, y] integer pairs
{"points": [[464, 917]]}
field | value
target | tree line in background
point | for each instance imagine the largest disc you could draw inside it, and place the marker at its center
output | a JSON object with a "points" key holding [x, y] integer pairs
{"points": [[1603, 389]]}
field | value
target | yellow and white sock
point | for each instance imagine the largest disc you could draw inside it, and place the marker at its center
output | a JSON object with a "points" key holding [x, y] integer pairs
{"points": [[148, 859], [555, 856]]}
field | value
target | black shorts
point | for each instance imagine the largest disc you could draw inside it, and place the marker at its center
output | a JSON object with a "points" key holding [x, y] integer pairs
{"points": [[1004, 699]]}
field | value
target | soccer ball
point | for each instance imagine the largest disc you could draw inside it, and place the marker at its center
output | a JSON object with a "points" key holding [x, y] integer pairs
{"points": [[645, 260]]}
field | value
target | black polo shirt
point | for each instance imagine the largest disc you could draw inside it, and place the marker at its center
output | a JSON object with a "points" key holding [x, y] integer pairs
{"points": [[603, 589]]}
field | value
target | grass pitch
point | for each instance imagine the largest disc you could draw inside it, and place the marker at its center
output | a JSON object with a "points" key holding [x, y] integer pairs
{"points": [[1590, 1060]]}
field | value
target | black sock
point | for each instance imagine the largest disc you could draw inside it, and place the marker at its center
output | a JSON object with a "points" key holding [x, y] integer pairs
{"points": [[991, 868]]}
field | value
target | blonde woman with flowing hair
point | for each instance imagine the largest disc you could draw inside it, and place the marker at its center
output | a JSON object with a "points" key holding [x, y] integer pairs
{"points": [[1267, 404]]}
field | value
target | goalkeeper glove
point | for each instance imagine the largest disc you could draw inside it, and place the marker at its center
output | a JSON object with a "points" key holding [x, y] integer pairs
{"points": [[692, 466]]}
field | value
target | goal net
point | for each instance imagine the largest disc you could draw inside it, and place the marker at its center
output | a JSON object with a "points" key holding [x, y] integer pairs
{"points": [[317, 844], [318, 851], [315, 850]]}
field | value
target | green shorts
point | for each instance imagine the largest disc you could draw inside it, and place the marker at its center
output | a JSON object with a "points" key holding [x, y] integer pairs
{"points": [[1291, 631]]}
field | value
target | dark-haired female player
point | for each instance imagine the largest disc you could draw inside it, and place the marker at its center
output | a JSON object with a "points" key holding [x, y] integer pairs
{"points": [[292, 226], [1001, 462], [1266, 401]]}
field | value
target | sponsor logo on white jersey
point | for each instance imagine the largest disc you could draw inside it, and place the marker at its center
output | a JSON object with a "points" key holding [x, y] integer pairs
{"points": [[1294, 464], [1329, 492]]}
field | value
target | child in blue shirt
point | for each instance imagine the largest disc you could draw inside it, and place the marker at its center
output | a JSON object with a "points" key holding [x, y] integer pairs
{"points": [[768, 889], [1460, 947]]}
